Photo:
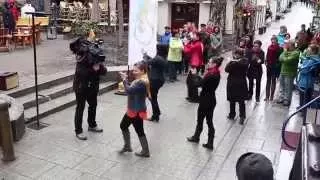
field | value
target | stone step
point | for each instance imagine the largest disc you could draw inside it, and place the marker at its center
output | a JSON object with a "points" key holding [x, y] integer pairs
{"points": [[49, 82], [45, 95], [62, 102]]}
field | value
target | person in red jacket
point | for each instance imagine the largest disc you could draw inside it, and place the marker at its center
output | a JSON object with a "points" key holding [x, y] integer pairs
{"points": [[14, 10], [195, 50]]}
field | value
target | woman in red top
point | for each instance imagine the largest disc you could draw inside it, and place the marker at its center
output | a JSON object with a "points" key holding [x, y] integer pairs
{"points": [[14, 10], [195, 51]]}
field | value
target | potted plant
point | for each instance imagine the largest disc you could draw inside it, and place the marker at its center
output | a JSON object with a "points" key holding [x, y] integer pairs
{"points": [[79, 28]]}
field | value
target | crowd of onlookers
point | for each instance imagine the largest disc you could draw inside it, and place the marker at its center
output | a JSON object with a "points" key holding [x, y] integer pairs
{"points": [[190, 47]]}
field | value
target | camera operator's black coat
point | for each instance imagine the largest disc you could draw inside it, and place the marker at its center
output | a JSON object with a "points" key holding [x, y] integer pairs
{"points": [[86, 79], [86, 87]]}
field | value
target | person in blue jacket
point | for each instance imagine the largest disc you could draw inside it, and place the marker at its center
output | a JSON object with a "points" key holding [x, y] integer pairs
{"points": [[282, 35], [165, 38], [308, 67]]}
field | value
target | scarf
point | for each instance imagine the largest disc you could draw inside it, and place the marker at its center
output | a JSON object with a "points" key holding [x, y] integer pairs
{"points": [[212, 71], [144, 78]]}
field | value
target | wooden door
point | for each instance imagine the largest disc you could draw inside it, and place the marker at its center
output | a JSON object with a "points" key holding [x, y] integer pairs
{"points": [[183, 13]]}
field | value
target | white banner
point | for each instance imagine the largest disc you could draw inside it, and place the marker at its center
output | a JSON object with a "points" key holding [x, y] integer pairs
{"points": [[142, 29]]}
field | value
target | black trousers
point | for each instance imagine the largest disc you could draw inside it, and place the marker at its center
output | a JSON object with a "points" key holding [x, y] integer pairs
{"points": [[81, 99], [173, 68], [205, 111], [155, 85], [242, 109], [271, 87], [258, 87], [137, 123]]}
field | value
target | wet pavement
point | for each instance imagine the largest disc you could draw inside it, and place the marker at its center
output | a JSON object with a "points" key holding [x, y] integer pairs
{"points": [[55, 153]]}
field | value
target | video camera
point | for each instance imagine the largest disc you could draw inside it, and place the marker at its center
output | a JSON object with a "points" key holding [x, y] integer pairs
{"points": [[90, 52]]}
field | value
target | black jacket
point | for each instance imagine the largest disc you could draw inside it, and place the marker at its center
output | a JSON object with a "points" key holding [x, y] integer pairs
{"points": [[209, 85], [86, 79], [157, 66], [255, 68], [237, 88]]}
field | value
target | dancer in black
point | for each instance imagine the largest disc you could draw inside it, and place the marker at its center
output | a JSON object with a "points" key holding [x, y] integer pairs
{"points": [[237, 88], [156, 75], [208, 102]]}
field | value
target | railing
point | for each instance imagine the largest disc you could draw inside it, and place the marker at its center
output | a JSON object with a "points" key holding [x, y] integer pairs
{"points": [[304, 107]]}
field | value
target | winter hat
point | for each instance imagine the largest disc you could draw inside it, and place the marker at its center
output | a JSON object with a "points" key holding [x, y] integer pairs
{"points": [[254, 166]]}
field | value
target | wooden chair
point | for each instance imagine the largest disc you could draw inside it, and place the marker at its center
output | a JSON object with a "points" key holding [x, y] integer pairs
{"points": [[5, 39], [23, 37]]}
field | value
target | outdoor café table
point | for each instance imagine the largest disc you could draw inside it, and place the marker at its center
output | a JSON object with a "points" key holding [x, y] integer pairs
{"points": [[24, 38]]}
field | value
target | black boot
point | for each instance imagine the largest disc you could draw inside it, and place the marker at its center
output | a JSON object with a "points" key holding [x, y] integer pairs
{"points": [[145, 148], [242, 119], [154, 118], [209, 144], [127, 142]]}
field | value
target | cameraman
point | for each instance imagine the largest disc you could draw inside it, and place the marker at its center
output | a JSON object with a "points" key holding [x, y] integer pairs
{"points": [[86, 87]]}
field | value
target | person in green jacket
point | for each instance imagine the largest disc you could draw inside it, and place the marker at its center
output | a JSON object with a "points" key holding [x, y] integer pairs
{"points": [[174, 56], [289, 60]]}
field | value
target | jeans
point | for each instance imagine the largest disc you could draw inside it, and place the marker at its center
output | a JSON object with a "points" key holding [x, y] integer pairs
{"points": [[155, 85], [242, 109], [81, 98], [270, 87], [258, 87], [137, 123], [173, 68], [286, 88]]}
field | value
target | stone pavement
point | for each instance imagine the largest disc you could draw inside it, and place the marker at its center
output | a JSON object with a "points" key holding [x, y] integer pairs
{"points": [[54, 152]]}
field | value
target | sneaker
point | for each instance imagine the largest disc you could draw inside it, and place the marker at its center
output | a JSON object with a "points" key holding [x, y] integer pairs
{"points": [[266, 99], [257, 100], [81, 136], [193, 139], [95, 129]]}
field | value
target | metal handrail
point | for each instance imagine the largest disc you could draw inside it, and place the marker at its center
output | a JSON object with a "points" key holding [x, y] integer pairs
{"points": [[293, 114]]}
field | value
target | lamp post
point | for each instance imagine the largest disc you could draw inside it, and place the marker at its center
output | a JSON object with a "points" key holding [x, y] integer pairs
{"points": [[33, 14]]}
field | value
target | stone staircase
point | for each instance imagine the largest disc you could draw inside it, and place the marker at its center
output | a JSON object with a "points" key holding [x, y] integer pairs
{"points": [[56, 95]]}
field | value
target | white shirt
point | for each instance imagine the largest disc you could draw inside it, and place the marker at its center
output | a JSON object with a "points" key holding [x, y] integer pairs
{"points": [[27, 8]]}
